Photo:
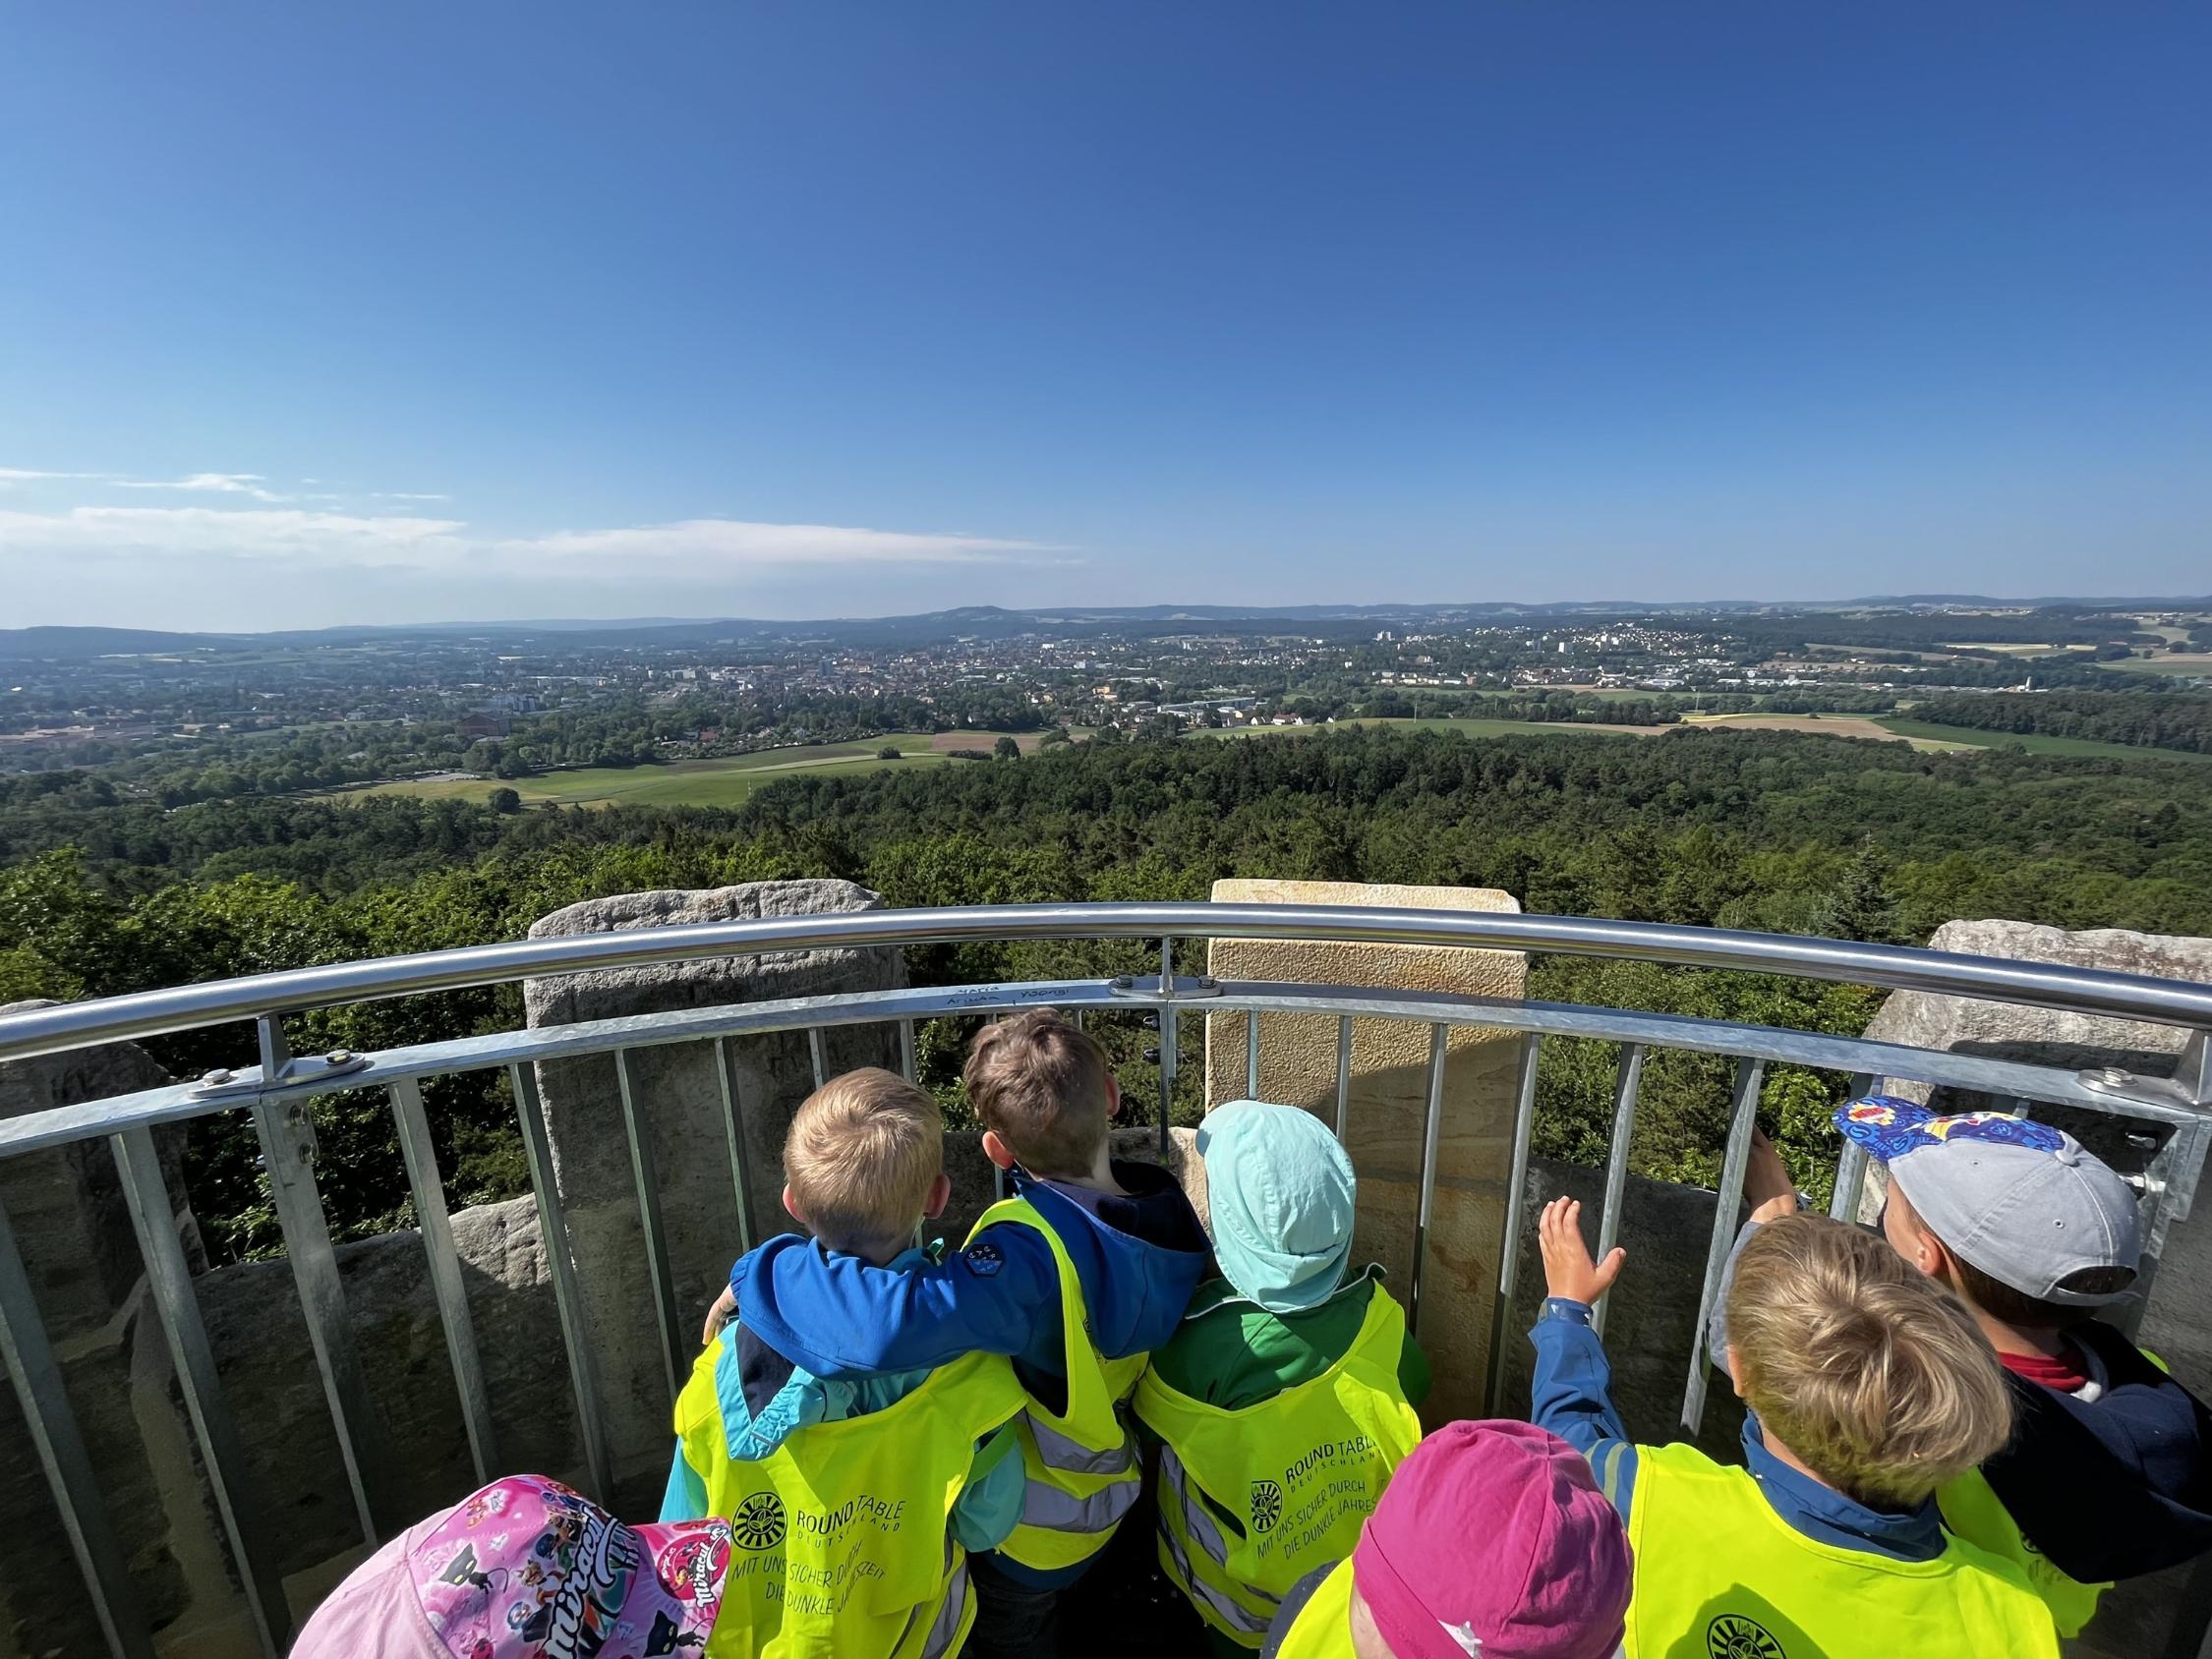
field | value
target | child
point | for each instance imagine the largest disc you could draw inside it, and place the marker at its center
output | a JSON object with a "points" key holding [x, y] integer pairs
{"points": [[2107, 1472], [1077, 1276], [1492, 1540], [1869, 1387], [852, 1502], [1282, 1401], [523, 1568]]}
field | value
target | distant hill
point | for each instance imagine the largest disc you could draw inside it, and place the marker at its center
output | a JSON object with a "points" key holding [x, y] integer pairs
{"points": [[997, 622]]}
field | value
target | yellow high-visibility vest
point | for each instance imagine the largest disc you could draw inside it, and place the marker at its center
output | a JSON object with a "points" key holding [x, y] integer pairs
{"points": [[1081, 1461], [842, 1545], [1719, 1573], [1322, 1628], [1973, 1511], [1251, 1501]]}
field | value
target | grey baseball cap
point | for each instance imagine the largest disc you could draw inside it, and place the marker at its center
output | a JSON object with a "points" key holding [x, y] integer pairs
{"points": [[2022, 1201]]}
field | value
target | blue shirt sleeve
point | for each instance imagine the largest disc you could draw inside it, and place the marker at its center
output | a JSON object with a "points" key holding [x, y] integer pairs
{"points": [[990, 1505], [1571, 1396], [839, 1316], [687, 1496]]}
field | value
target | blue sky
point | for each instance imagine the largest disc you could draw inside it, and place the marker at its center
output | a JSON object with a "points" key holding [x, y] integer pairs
{"points": [[313, 314]]}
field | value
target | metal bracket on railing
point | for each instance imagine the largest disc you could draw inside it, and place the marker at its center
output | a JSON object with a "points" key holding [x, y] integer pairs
{"points": [[1181, 989], [312, 1068]]}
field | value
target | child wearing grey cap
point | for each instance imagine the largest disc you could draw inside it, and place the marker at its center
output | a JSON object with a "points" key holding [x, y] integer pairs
{"points": [[2106, 1476]]}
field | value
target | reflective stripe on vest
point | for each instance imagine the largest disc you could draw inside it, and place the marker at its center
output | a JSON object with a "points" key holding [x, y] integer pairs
{"points": [[1059, 1453], [1240, 1623], [1973, 1511], [1718, 1571], [840, 1537], [1322, 1628], [1256, 1498], [1081, 1462]]}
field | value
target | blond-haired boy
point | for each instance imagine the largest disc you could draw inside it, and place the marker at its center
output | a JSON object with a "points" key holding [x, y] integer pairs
{"points": [[852, 1502], [1868, 1388], [1077, 1275]]}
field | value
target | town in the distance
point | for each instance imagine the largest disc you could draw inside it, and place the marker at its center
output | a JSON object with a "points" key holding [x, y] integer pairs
{"points": [[672, 711]]}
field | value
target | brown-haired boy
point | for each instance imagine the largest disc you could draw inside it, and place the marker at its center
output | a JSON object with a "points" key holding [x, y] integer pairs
{"points": [[1869, 1387], [853, 1504], [2110, 1472], [1084, 1269]]}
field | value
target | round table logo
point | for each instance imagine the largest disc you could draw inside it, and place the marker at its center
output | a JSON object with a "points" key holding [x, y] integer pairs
{"points": [[758, 1523], [1733, 1637], [1267, 1506]]}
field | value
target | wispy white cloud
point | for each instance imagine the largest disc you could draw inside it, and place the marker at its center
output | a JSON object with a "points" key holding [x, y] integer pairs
{"points": [[690, 551], [405, 495], [32, 475], [221, 484]]}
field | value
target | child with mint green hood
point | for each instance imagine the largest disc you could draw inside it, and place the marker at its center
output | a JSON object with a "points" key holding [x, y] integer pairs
{"points": [[1286, 1397]]}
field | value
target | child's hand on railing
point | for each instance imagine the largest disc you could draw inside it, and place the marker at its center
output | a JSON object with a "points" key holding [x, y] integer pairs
{"points": [[721, 1314], [1568, 1271]]}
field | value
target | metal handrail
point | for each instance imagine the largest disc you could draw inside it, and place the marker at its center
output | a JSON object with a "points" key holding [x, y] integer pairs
{"points": [[2043, 985]]}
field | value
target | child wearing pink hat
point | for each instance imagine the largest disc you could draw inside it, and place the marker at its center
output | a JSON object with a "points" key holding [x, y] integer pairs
{"points": [[526, 1569], [1492, 1540]]}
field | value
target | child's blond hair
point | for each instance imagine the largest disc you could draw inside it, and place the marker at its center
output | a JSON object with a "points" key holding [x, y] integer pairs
{"points": [[1043, 1086], [863, 1152], [1873, 1374]]}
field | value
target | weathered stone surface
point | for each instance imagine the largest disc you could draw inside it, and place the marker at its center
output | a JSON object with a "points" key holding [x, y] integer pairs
{"points": [[1389, 1098], [678, 1095]]}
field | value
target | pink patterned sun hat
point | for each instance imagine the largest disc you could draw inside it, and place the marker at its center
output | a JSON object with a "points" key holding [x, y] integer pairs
{"points": [[527, 1568]]}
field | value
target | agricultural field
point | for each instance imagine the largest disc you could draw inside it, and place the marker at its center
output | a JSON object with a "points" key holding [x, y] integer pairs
{"points": [[721, 782], [1925, 734], [1882, 729], [1465, 727], [2182, 663]]}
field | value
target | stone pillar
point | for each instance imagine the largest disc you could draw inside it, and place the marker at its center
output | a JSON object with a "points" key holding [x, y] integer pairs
{"points": [[679, 1099], [1389, 1101], [2138, 1616]]}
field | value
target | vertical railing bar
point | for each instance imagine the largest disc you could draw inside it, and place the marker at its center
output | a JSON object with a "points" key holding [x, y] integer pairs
{"points": [[138, 1165], [1251, 1054], [1625, 1086], [648, 1182], [29, 1355], [1431, 1126], [1734, 1160], [1850, 1166], [734, 1130], [1509, 1240], [1167, 1045], [1075, 1018], [287, 1138], [818, 1054], [907, 1047], [420, 1153], [569, 1301], [1343, 1075]]}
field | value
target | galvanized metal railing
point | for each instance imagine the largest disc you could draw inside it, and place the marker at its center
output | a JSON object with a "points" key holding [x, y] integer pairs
{"points": [[2173, 1116]]}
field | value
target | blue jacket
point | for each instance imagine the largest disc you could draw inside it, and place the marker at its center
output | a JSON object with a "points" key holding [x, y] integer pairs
{"points": [[1572, 1397], [1138, 1259], [766, 1399]]}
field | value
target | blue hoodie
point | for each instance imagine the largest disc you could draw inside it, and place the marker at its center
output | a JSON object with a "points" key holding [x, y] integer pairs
{"points": [[766, 1399], [1139, 1258]]}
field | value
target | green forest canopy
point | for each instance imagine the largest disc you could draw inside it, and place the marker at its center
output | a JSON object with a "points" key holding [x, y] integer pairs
{"points": [[1737, 828]]}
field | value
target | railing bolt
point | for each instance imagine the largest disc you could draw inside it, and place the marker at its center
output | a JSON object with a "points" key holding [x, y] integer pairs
{"points": [[1206, 982], [2114, 1075], [1123, 982], [215, 1079], [2145, 1142], [1151, 1022], [338, 1057], [1152, 1056]]}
